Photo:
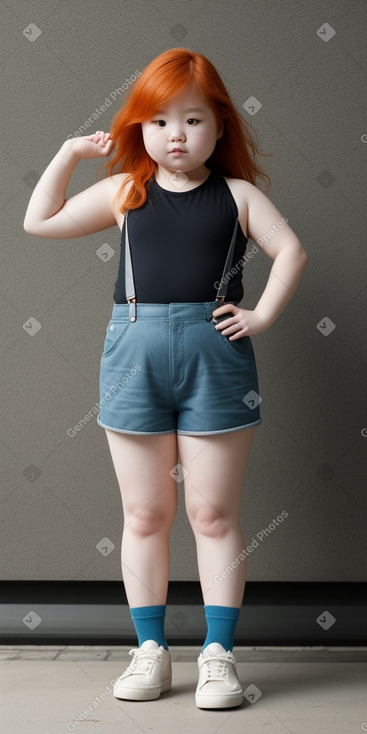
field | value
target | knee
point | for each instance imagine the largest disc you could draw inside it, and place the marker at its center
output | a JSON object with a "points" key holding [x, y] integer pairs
{"points": [[209, 521], [148, 521]]}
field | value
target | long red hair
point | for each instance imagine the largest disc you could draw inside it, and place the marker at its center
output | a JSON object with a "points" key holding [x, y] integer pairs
{"points": [[164, 78]]}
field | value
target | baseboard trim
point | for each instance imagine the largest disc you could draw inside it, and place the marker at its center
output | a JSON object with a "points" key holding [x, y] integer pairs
{"points": [[97, 612]]}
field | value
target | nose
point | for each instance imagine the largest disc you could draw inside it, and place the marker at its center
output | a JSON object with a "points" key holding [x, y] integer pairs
{"points": [[174, 136]]}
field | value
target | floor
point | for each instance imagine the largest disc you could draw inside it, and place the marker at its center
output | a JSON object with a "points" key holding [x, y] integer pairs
{"points": [[52, 689]]}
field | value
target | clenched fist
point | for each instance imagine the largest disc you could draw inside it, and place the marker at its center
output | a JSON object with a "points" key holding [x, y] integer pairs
{"points": [[97, 145]]}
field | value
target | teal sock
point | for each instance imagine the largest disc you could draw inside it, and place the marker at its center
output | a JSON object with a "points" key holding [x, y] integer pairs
{"points": [[221, 623], [149, 624]]}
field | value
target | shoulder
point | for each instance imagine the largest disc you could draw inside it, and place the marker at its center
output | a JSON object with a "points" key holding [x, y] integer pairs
{"points": [[115, 182], [118, 178], [240, 186], [246, 191]]}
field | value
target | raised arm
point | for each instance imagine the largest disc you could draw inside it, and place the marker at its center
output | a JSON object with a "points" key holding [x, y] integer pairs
{"points": [[52, 216]]}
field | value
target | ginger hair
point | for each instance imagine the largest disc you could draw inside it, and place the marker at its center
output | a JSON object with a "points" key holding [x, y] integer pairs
{"points": [[163, 79]]}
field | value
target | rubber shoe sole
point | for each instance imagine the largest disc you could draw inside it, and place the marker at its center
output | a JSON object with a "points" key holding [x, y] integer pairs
{"points": [[143, 693], [226, 701]]}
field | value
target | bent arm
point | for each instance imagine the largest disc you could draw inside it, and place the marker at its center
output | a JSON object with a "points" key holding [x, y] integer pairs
{"points": [[284, 277], [52, 216], [49, 194], [271, 231]]}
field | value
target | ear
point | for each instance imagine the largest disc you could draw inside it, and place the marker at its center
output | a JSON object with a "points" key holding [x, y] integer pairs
{"points": [[220, 131]]}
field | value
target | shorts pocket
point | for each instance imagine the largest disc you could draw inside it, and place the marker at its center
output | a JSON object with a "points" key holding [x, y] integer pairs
{"points": [[242, 346], [115, 332]]}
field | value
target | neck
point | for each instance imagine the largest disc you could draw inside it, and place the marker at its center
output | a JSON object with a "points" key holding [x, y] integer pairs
{"points": [[179, 180]]}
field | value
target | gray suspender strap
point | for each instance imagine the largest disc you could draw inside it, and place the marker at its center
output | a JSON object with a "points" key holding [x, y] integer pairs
{"points": [[223, 285], [129, 276], [222, 290]]}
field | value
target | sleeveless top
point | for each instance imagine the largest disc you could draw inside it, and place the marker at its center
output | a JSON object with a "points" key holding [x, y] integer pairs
{"points": [[179, 242]]}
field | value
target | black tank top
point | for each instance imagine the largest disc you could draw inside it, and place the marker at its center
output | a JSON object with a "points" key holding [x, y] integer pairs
{"points": [[179, 242]]}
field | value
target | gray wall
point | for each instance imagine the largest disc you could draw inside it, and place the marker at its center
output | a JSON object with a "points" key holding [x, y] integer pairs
{"points": [[59, 493]]}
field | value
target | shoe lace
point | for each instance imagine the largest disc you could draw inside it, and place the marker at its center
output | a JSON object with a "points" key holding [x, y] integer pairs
{"points": [[142, 661], [217, 666]]}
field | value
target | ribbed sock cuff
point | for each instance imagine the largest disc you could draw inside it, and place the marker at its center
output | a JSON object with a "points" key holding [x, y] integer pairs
{"points": [[141, 612], [218, 612], [221, 623], [149, 623]]}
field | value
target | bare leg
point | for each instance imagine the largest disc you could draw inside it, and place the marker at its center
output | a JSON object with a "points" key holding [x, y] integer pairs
{"points": [[149, 499], [216, 467]]}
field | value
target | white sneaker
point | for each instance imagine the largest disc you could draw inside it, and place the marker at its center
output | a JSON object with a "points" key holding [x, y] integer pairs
{"points": [[148, 675], [218, 685]]}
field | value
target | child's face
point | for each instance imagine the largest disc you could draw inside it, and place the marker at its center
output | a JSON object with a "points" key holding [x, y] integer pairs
{"points": [[178, 125]]}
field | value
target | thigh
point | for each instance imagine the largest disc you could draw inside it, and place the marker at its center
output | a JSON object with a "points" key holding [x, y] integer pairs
{"points": [[142, 465], [215, 467]]}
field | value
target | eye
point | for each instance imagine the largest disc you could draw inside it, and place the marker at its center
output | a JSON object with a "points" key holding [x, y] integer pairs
{"points": [[190, 120]]}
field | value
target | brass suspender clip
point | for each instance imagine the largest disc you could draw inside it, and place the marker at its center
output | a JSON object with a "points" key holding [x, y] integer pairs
{"points": [[132, 309], [129, 277]]}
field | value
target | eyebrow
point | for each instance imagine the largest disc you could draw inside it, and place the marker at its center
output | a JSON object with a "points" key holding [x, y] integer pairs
{"points": [[190, 109]]}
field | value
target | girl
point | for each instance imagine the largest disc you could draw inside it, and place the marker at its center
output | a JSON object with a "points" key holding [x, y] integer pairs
{"points": [[178, 371]]}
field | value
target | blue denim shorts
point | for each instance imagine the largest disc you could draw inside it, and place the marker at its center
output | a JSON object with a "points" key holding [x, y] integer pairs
{"points": [[172, 371]]}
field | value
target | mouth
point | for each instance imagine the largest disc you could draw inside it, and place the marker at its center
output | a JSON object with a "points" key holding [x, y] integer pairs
{"points": [[177, 150]]}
